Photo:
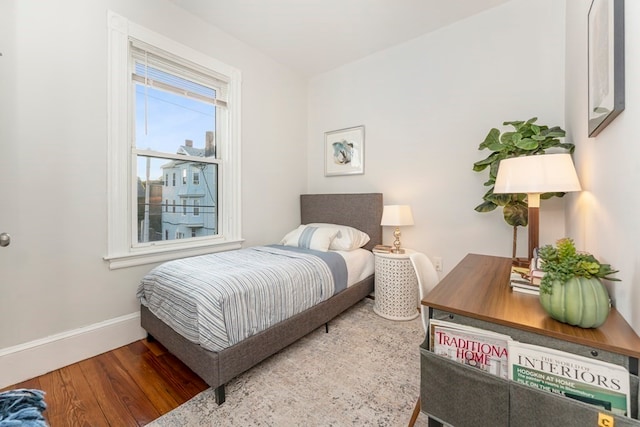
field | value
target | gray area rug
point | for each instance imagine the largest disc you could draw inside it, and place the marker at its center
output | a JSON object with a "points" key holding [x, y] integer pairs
{"points": [[364, 372]]}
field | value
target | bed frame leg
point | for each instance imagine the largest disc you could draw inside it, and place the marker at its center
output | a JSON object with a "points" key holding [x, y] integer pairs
{"points": [[219, 393], [326, 328], [150, 338]]}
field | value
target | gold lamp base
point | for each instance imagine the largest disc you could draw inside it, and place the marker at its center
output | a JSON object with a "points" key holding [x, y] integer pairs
{"points": [[396, 243]]}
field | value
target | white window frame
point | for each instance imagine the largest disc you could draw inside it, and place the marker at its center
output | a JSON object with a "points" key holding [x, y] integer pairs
{"points": [[121, 250]]}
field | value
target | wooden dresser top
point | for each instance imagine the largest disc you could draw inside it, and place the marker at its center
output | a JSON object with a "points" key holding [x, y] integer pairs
{"points": [[478, 287]]}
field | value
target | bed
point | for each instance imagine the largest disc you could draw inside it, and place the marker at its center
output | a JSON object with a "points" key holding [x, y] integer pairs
{"points": [[362, 211]]}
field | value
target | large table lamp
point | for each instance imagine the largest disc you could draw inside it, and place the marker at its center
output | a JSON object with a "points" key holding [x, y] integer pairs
{"points": [[396, 216], [535, 175]]}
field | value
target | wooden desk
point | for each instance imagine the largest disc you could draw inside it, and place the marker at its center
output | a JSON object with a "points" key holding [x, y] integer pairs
{"points": [[478, 287], [477, 292]]}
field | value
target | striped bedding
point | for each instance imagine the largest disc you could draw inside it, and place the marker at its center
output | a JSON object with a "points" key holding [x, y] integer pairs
{"points": [[218, 300]]}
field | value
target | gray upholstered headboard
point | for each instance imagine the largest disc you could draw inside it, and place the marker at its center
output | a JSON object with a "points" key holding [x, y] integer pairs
{"points": [[361, 210]]}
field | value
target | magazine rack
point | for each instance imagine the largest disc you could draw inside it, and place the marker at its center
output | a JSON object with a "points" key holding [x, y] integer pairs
{"points": [[477, 293]]}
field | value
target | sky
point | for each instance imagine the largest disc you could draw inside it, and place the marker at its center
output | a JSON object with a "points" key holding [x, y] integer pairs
{"points": [[170, 120]]}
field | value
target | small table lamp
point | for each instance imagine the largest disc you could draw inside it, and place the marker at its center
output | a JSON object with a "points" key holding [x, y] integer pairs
{"points": [[534, 175], [397, 216]]}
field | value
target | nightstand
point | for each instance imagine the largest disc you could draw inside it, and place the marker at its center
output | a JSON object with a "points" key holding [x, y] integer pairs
{"points": [[396, 286]]}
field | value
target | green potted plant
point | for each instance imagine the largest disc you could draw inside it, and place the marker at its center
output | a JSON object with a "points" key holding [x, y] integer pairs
{"points": [[526, 139], [571, 290]]}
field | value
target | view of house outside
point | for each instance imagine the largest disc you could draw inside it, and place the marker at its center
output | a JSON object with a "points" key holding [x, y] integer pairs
{"points": [[177, 199]]}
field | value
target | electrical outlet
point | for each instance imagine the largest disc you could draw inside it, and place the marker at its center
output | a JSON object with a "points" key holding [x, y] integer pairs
{"points": [[437, 263]]}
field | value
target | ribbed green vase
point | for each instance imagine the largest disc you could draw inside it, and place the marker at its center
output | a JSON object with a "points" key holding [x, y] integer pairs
{"points": [[579, 301]]}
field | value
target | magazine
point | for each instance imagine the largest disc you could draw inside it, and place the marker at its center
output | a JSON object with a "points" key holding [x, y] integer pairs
{"points": [[591, 381], [474, 347]]}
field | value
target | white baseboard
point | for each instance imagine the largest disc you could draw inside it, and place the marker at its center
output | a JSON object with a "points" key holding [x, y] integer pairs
{"points": [[29, 360]]}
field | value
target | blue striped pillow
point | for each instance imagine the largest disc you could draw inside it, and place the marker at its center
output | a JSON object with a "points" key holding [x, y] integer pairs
{"points": [[316, 238]]}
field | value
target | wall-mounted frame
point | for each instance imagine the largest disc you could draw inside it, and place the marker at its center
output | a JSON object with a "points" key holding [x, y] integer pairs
{"points": [[606, 63], [344, 151]]}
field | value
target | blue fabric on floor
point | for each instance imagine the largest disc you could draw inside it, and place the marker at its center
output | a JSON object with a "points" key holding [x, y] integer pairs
{"points": [[22, 408]]}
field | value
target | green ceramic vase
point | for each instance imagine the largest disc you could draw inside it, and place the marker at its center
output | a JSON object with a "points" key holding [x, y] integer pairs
{"points": [[579, 301]]}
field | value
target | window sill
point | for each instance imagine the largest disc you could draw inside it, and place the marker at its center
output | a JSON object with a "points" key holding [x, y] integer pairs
{"points": [[156, 255]]}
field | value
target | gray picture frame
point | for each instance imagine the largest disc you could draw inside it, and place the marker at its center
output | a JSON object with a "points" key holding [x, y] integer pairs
{"points": [[605, 63]]}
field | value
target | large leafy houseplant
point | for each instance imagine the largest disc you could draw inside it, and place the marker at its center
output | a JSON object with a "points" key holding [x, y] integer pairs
{"points": [[571, 290], [526, 139]]}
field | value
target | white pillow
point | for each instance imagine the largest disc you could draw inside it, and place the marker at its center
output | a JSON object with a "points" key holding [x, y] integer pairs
{"points": [[347, 239], [316, 238]]}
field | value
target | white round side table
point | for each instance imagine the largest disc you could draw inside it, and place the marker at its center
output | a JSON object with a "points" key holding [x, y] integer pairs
{"points": [[396, 286]]}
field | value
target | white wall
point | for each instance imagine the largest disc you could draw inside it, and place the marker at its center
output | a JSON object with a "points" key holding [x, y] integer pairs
{"points": [[428, 103], [604, 218], [59, 302]]}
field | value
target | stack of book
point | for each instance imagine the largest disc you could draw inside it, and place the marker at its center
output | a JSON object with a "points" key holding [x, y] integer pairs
{"points": [[527, 280], [382, 249], [535, 269], [524, 284], [535, 276]]}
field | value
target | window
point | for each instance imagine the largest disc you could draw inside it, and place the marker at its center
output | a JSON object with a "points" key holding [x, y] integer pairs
{"points": [[161, 89]]}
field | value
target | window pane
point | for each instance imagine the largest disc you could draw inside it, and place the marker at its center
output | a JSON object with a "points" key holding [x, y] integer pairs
{"points": [[170, 123], [198, 200]]}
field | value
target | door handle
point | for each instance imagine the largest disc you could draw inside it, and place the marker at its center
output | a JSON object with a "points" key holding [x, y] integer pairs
{"points": [[5, 239]]}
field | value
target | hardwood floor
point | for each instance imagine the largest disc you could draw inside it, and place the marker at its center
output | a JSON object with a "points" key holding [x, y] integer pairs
{"points": [[129, 386]]}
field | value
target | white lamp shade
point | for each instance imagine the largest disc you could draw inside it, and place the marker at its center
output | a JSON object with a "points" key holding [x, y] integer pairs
{"points": [[397, 215], [544, 173]]}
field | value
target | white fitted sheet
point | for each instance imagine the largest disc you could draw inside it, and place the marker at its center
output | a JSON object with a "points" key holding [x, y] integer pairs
{"points": [[360, 264]]}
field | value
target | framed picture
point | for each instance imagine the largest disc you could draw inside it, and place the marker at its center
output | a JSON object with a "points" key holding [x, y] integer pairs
{"points": [[344, 151], [606, 63]]}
